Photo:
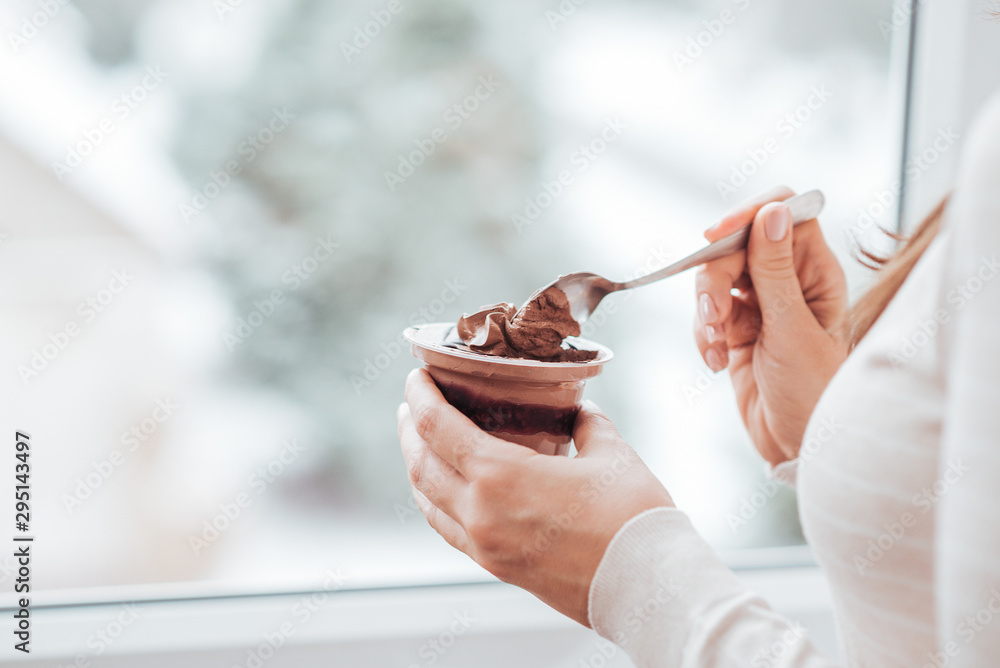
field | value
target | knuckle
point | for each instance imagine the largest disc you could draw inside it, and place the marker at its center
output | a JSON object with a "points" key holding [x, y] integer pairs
{"points": [[487, 482], [484, 532], [705, 280], [602, 422], [427, 420], [777, 265], [463, 455], [415, 469], [433, 480]]}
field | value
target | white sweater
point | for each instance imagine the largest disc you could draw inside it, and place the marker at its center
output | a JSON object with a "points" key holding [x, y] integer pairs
{"points": [[898, 483]]}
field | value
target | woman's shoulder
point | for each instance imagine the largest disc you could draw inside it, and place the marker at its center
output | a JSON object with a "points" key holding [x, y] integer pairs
{"points": [[974, 213], [981, 150]]}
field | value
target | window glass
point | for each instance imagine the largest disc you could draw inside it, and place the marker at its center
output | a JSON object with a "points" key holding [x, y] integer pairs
{"points": [[222, 216]]}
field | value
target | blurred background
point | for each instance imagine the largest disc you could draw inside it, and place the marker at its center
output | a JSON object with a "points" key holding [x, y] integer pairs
{"points": [[219, 217]]}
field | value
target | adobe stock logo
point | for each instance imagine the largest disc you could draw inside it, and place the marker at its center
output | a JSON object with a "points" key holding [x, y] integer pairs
{"points": [[224, 7], [562, 13], [705, 39], [31, 25], [248, 150], [391, 350], [140, 433], [580, 160], [364, 35], [120, 109], [957, 298], [920, 163], [294, 277], [89, 309], [229, 512], [786, 127], [454, 117]]}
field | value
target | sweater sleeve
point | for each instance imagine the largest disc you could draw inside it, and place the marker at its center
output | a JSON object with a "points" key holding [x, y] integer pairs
{"points": [[663, 595], [968, 552]]}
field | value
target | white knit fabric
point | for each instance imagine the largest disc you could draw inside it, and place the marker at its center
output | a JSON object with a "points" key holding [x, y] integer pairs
{"points": [[898, 483]]}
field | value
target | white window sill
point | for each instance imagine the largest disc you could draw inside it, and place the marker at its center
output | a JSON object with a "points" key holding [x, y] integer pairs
{"points": [[484, 624]]}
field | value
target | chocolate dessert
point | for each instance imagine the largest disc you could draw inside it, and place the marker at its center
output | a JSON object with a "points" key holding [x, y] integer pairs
{"points": [[512, 371], [510, 417], [537, 331]]}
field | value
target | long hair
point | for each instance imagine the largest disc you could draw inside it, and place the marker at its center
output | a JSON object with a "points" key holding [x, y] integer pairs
{"points": [[892, 271]]}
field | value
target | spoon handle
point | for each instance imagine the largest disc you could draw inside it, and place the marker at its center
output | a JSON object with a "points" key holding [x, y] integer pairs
{"points": [[803, 207]]}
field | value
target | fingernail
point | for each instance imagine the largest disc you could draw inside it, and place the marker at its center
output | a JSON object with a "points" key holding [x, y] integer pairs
{"points": [[778, 220], [715, 360], [707, 306], [712, 334]]}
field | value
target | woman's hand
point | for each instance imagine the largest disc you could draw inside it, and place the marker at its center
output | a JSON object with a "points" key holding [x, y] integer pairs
{"points": [[783, 336], [536, 521]]}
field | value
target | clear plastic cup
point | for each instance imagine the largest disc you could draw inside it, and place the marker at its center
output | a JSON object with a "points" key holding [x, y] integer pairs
{"points": [[529, 402]]}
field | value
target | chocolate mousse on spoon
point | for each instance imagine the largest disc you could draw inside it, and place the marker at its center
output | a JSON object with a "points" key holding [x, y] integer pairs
{"points": [[580, 293], [537, 330]]}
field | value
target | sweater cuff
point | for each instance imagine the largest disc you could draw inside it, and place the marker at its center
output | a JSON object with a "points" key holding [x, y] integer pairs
{"points": [[657, 586]]}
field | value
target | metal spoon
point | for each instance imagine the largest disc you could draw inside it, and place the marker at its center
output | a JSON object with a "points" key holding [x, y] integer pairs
{"points": [[585, 291]]}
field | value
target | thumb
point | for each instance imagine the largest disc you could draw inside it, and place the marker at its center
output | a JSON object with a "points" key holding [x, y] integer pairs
{"points": [[771, 262], [594, 433]]}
